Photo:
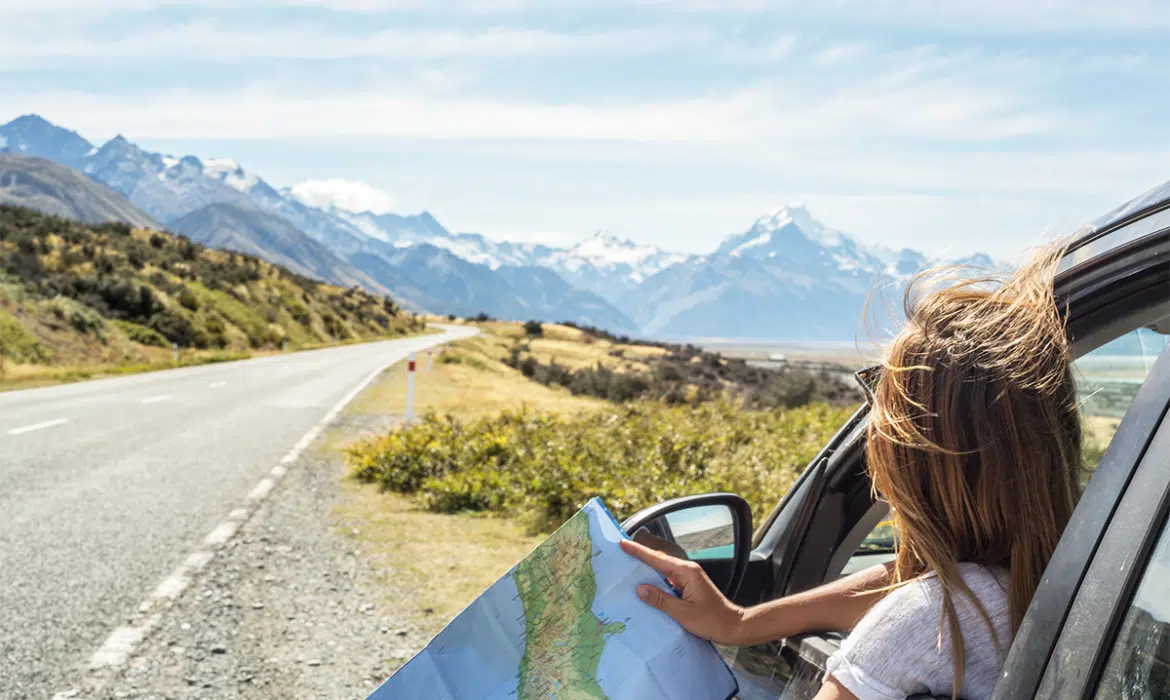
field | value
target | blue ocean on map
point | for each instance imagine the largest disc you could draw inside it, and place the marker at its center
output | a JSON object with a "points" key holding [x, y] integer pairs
{"points": [[477, 656], [677, 665]]}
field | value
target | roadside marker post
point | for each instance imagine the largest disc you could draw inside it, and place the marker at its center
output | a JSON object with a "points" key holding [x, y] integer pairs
{"points": [[175, 350], [430, 361], [410, 389]]}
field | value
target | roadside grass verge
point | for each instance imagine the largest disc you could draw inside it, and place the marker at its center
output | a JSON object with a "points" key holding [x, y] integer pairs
{"points": [[30, 376], [496, 459], [445, 561], [16, 377], [467, 380]]}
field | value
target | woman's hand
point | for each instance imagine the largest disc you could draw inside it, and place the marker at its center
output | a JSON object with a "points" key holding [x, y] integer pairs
{"points": [[700, 608], [647, 539]]}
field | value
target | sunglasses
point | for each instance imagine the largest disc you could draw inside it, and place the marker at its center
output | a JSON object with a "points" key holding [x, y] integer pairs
{"points": [[868, 379]]}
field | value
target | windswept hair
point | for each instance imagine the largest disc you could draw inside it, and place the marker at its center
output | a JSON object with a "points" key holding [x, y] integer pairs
{"points": [[974, 437]]}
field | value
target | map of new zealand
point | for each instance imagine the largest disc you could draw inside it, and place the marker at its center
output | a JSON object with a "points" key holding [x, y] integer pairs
{"points": [[565, 624]]}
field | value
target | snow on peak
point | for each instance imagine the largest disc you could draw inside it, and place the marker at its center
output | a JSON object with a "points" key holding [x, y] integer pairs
{"points": [[347, 195], [605, 252], [219, 165], [798, 215], [230, 173]]}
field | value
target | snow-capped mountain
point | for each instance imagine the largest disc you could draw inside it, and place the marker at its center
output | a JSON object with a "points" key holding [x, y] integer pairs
{"points": [[31, 135], [601, 264], [610, 267], [787, 276], [218, 201]]}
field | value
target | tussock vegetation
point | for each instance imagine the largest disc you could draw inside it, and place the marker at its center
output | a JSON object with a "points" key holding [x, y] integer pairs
{"points": [[496, 440], [546, 465], [685, 374], [71, 293]]}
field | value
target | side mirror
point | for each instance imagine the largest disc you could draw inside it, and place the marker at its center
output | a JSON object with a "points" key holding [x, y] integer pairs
{"points": [[711, 529]]}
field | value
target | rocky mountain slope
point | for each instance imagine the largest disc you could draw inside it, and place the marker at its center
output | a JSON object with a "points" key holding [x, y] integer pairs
{"points": [[41, 184]]}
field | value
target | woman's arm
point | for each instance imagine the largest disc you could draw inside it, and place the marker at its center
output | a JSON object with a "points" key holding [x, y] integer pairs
{"points": [[703, 611]]}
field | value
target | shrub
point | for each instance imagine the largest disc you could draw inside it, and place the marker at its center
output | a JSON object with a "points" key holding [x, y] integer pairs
{"points": [[482, 317], [79, 316], [17, 344], [188, 300], [632, 456], [141, 334], [533, 329]]}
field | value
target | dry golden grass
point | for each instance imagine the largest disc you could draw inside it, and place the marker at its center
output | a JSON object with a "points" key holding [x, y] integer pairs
{"points": [[477, 384], [16, 377], [448, 560], [444, 560]]}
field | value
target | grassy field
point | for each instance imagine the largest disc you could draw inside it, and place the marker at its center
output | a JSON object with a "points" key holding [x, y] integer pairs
{"points": [[449, 558], [470, 380]]}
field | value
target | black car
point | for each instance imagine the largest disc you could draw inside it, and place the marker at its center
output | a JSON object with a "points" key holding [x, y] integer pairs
{"points": [[1099, 624]]}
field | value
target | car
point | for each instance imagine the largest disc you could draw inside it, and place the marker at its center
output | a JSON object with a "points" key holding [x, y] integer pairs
{"points": [[1098, 625]]}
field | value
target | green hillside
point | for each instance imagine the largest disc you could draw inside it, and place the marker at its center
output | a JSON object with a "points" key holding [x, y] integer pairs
{"points": [[75, 295]]}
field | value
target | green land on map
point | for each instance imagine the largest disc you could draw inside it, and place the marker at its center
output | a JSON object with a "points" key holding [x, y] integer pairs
{"points": [[563, 638]]}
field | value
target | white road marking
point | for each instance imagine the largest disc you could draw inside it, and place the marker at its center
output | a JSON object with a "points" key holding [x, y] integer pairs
{"points": [[156, 399], [123, 642], [216, 385], [38, 426]]}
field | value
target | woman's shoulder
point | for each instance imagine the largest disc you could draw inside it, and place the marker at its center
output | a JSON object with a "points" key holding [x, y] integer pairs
{"points": [[895, 647]]}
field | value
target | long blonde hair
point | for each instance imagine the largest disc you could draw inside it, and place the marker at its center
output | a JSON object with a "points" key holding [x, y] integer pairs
{"points": [[974, 437]]}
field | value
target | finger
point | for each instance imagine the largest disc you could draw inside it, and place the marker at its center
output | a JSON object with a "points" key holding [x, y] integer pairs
{"points": [[648, 539], [655, 597], [664, 564]]}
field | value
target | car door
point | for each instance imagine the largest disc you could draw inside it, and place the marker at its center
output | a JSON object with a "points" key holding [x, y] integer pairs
{"points": [[1118, 294]]}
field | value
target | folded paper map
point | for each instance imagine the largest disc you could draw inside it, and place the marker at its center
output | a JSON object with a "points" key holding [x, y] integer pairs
{"points": [[565, 624]]}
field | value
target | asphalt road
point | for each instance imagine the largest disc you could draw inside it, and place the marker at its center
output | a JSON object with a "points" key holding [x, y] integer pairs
{"points": [[108, 485]]}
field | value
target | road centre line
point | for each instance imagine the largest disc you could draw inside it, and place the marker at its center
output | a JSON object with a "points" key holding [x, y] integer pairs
{"points": [[38, 426], [156, 399], [216, 385], [123, 642]]}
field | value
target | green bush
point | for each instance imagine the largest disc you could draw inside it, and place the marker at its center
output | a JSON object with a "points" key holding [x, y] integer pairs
{"points": [[533, 329], [634, 455], [188, 300], [17, 344], [141, 334], [79, 316]]}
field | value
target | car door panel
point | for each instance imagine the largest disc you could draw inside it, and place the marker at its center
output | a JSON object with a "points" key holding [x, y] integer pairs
{"points": [[1049, 608], [1103, 596]]}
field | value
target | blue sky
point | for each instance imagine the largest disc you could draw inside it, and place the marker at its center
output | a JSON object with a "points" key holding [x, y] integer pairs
{"points": [[947, 127]]}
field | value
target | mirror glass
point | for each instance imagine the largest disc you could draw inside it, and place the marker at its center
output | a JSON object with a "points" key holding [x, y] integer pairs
{"points": [[702, 533], [705, 532]]}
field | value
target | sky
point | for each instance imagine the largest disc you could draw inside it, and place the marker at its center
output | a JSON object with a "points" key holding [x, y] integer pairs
{"points": [[945, 127]]}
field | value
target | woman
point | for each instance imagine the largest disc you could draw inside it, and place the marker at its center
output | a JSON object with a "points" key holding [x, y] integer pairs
{"points": [[974, 441]]}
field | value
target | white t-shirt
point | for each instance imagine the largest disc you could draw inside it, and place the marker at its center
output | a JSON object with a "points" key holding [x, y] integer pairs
{"points": [[893, 651]]}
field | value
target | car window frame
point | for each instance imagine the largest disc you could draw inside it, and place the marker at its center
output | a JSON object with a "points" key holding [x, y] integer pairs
{"points": [[1112, 577]]}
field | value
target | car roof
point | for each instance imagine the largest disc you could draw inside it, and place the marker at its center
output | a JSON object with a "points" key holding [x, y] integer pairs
{"points": [[1144, 216]]}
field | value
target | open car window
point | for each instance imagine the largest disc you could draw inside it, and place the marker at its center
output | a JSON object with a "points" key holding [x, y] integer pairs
{"points": [[1107, 380]]}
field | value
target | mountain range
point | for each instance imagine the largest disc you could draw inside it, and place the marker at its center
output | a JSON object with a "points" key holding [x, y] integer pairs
{"points": [[788, 276]]}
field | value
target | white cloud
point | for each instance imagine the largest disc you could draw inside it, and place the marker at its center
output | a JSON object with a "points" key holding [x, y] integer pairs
{"points": [[923, 95], [213, 41], [386, 113], [1007, 16], [841, 52], [343, 194]]}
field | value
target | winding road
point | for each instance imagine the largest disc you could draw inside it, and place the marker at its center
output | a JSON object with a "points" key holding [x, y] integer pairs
{"points": [[108, 487]]}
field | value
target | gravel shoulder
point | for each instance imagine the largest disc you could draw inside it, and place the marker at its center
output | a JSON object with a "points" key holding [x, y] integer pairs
{"points": [[291, 607]]}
